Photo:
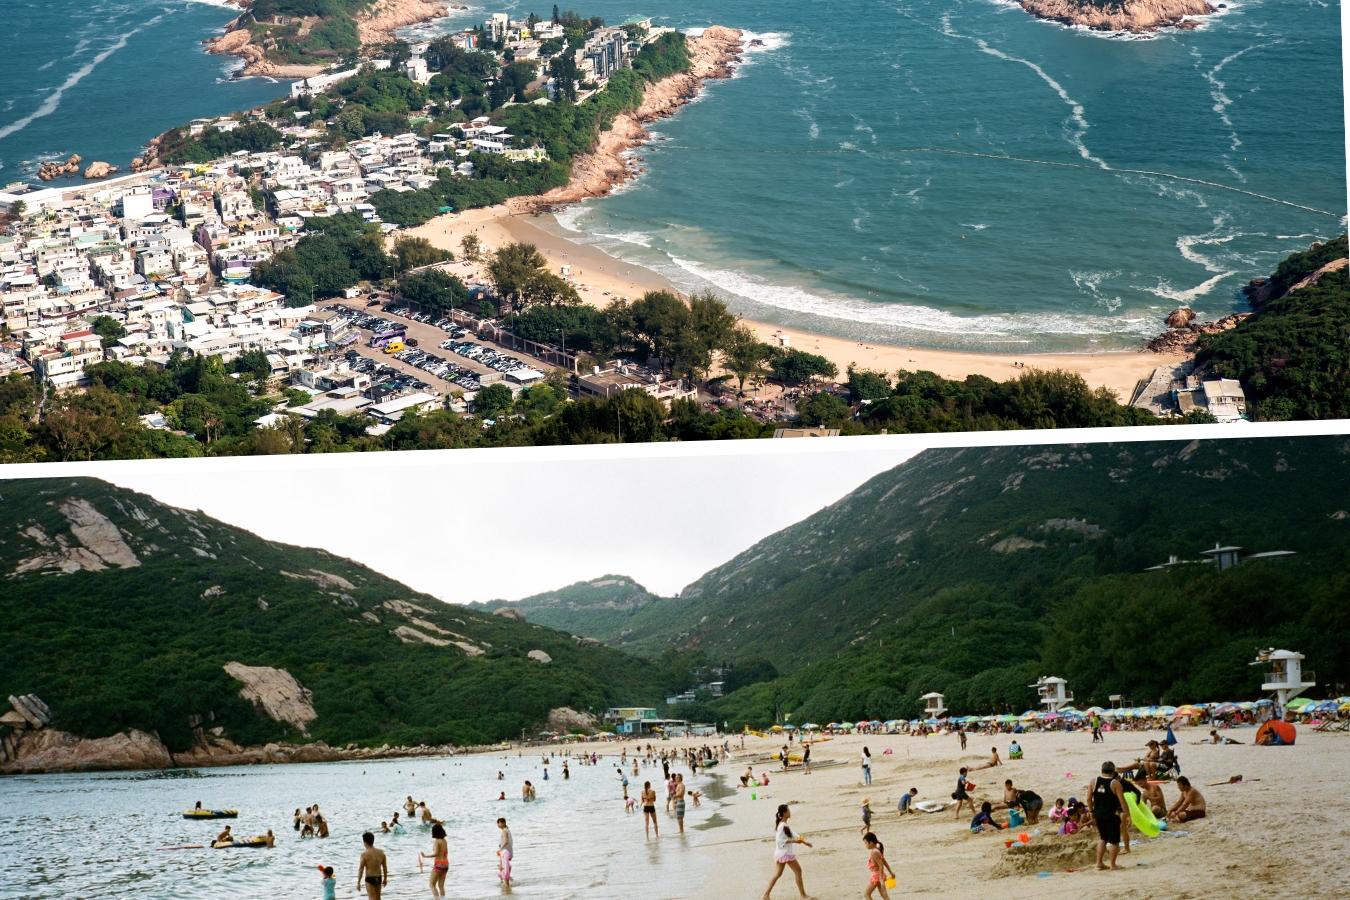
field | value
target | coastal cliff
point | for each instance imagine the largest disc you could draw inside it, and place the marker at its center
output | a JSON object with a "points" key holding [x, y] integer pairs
{"points": [[1130, 15], [258, 49], [712, 56]]}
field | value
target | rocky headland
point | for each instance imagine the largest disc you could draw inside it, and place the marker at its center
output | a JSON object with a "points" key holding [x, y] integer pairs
{"points": [[712, 54], [1129, 15], [374, 25]]}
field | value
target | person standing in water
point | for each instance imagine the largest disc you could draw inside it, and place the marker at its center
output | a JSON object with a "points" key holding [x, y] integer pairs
{"points": [[374, 868], [649, 809], [679, 801], [783, 856], [505, 853], [440, 860]]}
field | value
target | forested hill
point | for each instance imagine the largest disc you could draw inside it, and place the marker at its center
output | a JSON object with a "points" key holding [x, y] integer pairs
{"points": [[120, 612], [974, 560], [601, 608]]}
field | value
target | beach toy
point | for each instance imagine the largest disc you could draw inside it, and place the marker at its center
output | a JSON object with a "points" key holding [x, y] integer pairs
{"points": [[1024, 838], [1142, 816], [890, 884], [753, 797], [1044, 874], [1008, 844]]}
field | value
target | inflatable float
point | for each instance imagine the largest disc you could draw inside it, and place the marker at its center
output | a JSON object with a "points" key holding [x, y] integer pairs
{"points": [[1142, 816], [211, 814], [248, 842]]}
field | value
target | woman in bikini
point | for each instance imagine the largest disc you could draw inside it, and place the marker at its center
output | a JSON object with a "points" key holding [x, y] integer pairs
{"points": [[877, 867], [649, 809], [440, 860]]}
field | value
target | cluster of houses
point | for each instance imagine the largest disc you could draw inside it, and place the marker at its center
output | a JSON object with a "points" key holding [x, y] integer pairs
{"points": [[1178, 389]]}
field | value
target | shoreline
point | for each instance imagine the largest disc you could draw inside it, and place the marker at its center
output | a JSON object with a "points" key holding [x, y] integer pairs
{"points": [[1134, 16], [600, 278], [596, 174]]}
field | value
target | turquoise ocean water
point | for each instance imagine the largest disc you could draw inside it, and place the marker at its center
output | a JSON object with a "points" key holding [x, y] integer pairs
{"points": [[855, 177]]}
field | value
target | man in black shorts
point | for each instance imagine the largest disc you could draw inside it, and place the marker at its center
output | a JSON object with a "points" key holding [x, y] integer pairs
{"points": [[1106, 799], [374, 868]]}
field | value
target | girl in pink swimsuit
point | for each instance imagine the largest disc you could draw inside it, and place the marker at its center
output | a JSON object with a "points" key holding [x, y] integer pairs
{"points": [[877, 867]]}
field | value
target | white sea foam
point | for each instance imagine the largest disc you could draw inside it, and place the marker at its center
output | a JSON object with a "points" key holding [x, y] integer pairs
{"points": [[905, 317], [53, 100], [1165, 290], [978, 226]]}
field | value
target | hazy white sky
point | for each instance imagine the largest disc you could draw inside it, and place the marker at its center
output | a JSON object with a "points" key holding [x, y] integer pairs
{"points": [[467, 525]]}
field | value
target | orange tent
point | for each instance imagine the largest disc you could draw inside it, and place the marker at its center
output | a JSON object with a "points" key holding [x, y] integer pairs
{"points": [[1275, 733]]}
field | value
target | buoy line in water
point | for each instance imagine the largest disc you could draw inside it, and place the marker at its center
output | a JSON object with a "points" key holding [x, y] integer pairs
{"points": [[1021, 159]]}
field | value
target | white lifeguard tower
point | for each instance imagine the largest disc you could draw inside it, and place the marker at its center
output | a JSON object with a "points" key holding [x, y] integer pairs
{"points": [[1054, 692], [1286, 676], [935, 704]]}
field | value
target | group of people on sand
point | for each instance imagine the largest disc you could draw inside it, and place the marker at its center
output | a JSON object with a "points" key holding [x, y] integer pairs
{"points": [[311, 822]]}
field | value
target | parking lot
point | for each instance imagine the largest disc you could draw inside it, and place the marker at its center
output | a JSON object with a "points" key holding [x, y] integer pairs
{"points": [[422, 364]]}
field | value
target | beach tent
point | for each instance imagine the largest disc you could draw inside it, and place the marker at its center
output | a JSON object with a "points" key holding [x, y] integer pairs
{"points": [[1275, 733]]}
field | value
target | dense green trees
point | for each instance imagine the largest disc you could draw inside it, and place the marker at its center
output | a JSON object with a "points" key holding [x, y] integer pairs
{"points": [[1292, 356], [434, 289], [333, 254], [179, 145], [415, 252]]}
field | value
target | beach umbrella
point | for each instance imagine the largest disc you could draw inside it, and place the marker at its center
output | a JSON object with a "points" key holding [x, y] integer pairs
{"points": [[1187, 710], [1166, 710], [811, 726], [1007, 717], [1095, 709], [789, 727], [776, 728], [1299, 702], [1029, 714], [1344, 707], [847, 725]]}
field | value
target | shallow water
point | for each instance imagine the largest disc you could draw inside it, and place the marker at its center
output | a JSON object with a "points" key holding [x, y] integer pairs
{"points": [[86, 836]]}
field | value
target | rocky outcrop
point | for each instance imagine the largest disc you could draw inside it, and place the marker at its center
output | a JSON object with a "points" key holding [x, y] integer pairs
{"points": [[101, 544], [99, 170], [1182, 340], [1334, 266], [595, 174], [1127, 15], [52, 170], [565, 720], [276, 693], [1013, 544], [1180, 318], [539, 656], [376, 24], [508, 612], [323, 579], [50, 750], [412, 636], [148, 160]]}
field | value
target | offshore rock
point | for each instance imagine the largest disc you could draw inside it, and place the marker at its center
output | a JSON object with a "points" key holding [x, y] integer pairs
{"points": [[49, 750], [1180, 318], [99, 170], [1129, 15]]}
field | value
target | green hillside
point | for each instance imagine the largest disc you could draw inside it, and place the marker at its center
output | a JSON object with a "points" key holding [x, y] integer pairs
{"points": [[974, 570], [601, 608], [120, 612]]}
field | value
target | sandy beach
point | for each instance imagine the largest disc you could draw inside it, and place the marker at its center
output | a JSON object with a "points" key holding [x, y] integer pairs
{"points": [[1278, 836], [601, 278]]}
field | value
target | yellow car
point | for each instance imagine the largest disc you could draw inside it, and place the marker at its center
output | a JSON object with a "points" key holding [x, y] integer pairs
{"points": [[394, 347]]}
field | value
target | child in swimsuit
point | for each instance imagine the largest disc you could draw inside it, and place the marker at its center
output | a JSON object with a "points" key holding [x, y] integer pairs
{"points": [[877, 867]]}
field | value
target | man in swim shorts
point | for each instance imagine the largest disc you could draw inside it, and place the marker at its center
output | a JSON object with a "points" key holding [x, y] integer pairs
{"points": [[1106, 799], [1190, 806], [679, 801], [374, 868]]}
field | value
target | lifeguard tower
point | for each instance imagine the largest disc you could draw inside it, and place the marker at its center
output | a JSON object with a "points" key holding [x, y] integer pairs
{"points": [[935, 704], [1286, 676], [1054, 692]]}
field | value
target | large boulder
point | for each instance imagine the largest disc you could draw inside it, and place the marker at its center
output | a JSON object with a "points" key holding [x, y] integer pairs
{"points": [[99, 170], [507, 612], [1180, 318], [539, 656]]}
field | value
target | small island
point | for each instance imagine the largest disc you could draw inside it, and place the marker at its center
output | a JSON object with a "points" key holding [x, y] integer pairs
{"points": [[1122, 15]]}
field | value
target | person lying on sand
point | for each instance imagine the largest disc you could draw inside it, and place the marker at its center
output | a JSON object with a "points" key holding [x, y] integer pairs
{"points": [[993, 761], [1191, 804], [1216, 738]]}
